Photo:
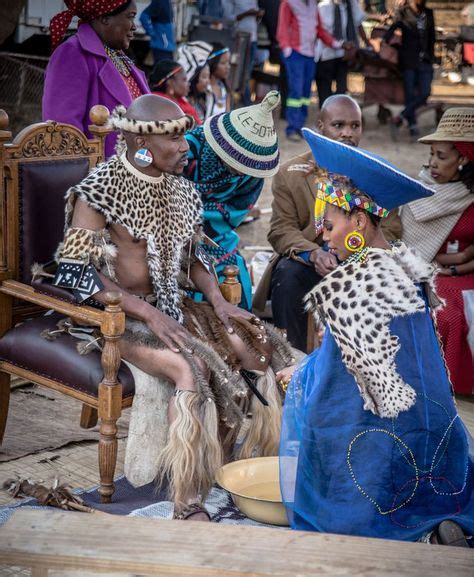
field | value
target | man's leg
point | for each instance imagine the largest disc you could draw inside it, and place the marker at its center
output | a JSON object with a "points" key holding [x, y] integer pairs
{"points": [[324, 77], [291, 280], [193, 448], [341, 75], [409, 84], [423, 80], [294, 71], [283, 87], [246, 97], [308, 75]]}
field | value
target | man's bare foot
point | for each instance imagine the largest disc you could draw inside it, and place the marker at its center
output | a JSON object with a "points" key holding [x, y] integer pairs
{"points": [[199, 517], [193, 512]]}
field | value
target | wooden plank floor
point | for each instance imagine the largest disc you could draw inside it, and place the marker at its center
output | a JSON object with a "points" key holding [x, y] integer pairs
{"points": [[77, 465], [101, 542]]}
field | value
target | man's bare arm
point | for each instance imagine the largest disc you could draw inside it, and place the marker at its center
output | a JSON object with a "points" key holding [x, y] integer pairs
{"points": [[162, 325]]}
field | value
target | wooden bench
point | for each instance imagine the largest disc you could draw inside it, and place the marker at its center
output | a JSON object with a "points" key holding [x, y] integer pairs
{"points": [[99, 542]]}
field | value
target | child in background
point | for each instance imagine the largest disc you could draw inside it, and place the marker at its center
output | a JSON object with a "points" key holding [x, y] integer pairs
{"points": [[168, 79], [200, 92], [219, 65]]}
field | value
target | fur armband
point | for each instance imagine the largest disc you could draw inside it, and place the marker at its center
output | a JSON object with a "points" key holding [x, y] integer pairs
{"points": [[89, 246], [79, 257], [119, 121]]}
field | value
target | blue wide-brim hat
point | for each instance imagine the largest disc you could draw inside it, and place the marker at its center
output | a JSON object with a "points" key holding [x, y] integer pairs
{"points": [[387, 186]]}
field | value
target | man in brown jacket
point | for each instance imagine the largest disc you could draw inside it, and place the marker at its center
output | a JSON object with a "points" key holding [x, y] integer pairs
{"points": [[300, 260]]}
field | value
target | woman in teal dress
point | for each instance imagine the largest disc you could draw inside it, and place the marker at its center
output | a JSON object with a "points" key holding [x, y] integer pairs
{"points": [[229, 156], [372, 444]]}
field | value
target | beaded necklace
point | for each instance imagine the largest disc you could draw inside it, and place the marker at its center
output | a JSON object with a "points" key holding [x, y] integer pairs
{"points": [[361, 255], [120, 60]]}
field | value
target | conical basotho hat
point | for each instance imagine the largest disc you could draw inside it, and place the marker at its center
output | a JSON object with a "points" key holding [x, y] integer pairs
{"points": [[245, 138]]}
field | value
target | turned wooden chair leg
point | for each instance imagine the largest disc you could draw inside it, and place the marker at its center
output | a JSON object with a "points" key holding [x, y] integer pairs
{"points": [[88, 417], [110, 395], [4, 402], [108, 398]]}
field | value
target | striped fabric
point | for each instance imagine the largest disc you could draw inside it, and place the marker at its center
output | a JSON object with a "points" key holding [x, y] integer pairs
{"points": [[427, 222]]}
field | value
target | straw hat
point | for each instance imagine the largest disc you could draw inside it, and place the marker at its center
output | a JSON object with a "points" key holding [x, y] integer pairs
{"points": [[245, 139], [456, 125]]}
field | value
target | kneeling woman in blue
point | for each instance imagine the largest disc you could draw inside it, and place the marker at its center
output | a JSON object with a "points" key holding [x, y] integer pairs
{"points": [[229, 156], [372, 444]]}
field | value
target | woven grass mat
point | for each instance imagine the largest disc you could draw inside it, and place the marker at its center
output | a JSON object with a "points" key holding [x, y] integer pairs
{"points": [[40, 419]]}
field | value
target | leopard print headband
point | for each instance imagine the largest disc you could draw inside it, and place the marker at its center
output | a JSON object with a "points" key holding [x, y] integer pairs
{"points": [[119, 121]]}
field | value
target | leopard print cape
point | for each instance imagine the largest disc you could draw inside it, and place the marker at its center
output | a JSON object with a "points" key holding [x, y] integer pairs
{"points": [[164, 211], [357, 301]]}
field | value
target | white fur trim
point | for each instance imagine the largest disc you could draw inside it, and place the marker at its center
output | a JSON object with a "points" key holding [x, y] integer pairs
{"points": [[118, 121], [358, 302]]}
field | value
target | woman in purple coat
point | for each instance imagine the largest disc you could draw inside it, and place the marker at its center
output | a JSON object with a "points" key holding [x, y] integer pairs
{"points": [[91, 66]]}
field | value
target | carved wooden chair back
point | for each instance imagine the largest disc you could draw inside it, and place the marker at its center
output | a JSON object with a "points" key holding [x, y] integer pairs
{"points": [[38, 167]]}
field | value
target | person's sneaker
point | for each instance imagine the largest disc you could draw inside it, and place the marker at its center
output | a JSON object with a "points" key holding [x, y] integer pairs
{"points": [[294, 137], [450, 533]]}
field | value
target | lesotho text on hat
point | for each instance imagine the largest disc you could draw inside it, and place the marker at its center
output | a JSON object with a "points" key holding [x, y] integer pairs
{"points": [[245, 117]]}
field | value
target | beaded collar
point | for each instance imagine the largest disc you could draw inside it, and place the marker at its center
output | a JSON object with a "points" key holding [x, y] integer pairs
{"points": [[120, 60]]}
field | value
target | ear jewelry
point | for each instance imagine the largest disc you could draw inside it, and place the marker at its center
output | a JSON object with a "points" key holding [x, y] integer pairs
{"points": [[460, 167], [354, 241], [143, 157]]}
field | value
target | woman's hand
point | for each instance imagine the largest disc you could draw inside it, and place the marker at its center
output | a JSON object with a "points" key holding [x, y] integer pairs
{"points": [[284, 376], [168, 330], [446, 260], [445, 271]]}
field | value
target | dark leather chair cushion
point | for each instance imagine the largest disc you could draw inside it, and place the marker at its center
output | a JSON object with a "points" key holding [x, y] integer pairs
{"points": [[58, 360], [46, 287], [42, 187]]}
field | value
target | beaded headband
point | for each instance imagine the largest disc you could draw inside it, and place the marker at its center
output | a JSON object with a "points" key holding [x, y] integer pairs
{"points": [[342, 193], [169, 75], [218, 53], [119, 121]]}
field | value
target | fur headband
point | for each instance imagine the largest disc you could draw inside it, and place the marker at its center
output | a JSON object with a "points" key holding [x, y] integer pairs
{"points": [[119, 121]]}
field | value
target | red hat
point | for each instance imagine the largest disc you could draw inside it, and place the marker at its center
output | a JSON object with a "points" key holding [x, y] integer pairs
{"points": [[86, 10]]}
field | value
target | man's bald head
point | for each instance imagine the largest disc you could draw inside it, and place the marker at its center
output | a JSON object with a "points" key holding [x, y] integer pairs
{"points": [[151, 107], [168, 150], [341, 119]]}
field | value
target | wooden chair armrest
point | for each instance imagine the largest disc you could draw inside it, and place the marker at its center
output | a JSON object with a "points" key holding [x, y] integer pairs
{"points": [[112, 319]]}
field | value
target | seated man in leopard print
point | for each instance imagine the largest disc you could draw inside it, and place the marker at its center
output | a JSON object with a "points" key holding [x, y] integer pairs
{"points": [[139, 216]]}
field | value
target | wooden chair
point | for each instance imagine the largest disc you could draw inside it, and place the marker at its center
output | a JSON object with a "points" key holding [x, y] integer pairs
{"points": [[36, 169]]}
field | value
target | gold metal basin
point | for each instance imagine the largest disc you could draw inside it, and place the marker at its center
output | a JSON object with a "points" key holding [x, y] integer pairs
{"points": [[255, 488]]}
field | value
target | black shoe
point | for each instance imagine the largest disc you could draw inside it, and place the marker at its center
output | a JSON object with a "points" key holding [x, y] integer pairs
{"points": [[450, 533]]}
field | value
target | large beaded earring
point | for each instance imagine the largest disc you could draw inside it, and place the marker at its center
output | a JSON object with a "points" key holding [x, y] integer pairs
{"points": [[354, 241], [143, 157]]}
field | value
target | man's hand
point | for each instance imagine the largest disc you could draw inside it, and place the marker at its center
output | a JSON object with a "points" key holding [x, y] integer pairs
{"points": [[224, 310], [287, 52], [324, 262], [173, 335]]}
